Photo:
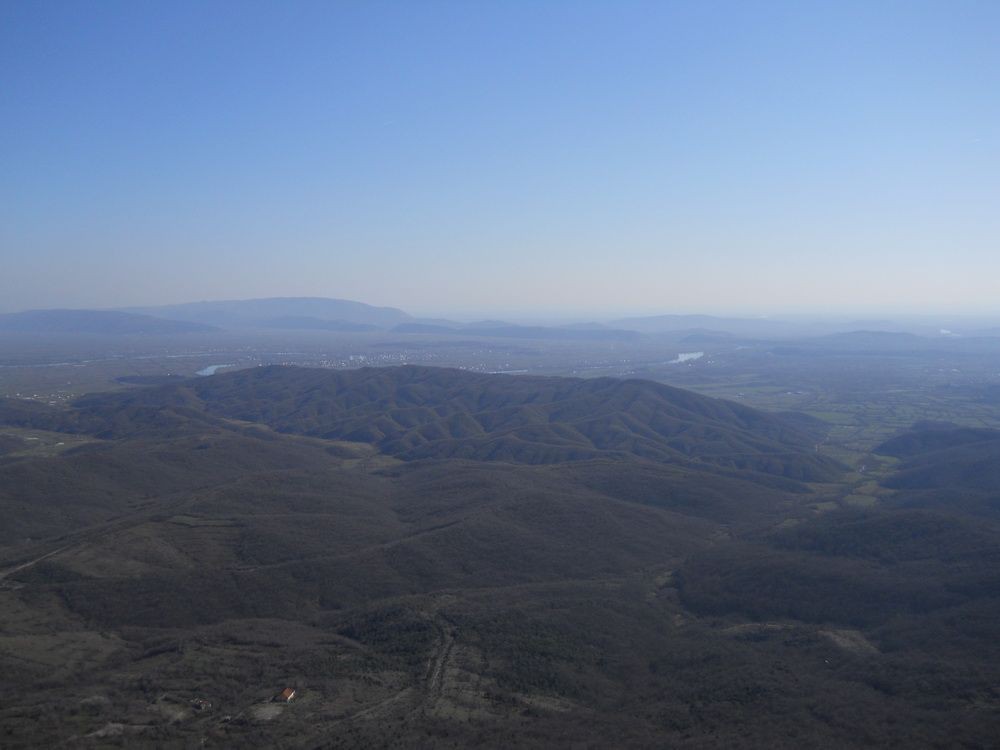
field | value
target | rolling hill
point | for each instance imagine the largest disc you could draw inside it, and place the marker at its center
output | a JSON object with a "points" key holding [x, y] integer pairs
{"points": [[420, 412]]}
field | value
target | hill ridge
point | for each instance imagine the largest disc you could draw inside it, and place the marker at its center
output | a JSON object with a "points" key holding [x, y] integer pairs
{"points": [[416, 412]]}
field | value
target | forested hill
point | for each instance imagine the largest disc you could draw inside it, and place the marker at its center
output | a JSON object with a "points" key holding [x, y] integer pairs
{"points": [[425, 412], [204, 536]]}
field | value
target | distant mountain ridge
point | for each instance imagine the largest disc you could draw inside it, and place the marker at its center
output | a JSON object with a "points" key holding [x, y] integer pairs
{"points": [[281, 312], [96, 322]]}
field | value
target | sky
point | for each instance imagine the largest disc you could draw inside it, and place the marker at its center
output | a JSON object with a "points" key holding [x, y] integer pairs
{"points": [[492, 157]]}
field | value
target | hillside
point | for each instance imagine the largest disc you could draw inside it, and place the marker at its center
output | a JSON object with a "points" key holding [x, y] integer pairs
{"points": [[436, 558], [180, 515], [418, 412], [946, 467], [928, 437]]}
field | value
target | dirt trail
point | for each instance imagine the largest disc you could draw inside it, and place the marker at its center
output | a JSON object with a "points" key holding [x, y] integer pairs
{"points": [[30, 563], [439, 662], [379, 708]]}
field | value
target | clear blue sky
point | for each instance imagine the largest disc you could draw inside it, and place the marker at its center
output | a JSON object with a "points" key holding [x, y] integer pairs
{"points": [[503, 156]]}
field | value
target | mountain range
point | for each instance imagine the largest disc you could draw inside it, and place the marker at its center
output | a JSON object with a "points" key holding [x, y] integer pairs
{"points": [[346, 316]]}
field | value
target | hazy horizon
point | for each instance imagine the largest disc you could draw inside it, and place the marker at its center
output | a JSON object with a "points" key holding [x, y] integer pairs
{"points": [[495, 159], [536, 316]]}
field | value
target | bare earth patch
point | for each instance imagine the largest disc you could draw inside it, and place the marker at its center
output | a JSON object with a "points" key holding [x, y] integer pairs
{"points": [[267, 711], [853, 641]]}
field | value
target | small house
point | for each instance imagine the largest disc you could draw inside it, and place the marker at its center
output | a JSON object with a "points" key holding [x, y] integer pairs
{"points": [[286, 696]]}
